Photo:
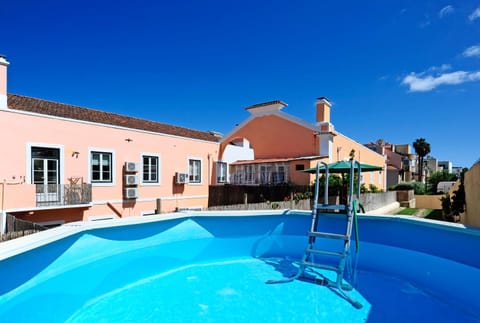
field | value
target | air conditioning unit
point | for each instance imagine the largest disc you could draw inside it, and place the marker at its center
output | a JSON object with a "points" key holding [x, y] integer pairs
{"points": [[131, 193], [131, 167], [131, 180], [181, 178]]}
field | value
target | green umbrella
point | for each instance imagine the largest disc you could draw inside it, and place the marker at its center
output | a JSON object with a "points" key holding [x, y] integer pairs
{"points": [[343, 167]]}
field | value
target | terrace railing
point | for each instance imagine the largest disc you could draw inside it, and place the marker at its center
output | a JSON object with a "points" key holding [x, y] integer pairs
{"points": [[63, 194], [256, 178]]}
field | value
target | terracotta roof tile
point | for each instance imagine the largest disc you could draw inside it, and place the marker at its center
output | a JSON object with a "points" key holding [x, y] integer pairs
{"points": [[24, 103]]}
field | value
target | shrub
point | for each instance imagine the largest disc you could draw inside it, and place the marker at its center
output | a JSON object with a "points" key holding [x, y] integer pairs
{"points": [[374, 189], [418, 187]]}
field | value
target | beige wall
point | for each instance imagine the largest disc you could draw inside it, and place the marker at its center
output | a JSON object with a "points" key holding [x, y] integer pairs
{"points": [[428, 202], [472, 196]]}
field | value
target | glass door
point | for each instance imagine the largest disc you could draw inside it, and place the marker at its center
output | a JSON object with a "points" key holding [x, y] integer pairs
{"points": [[46, 173]]}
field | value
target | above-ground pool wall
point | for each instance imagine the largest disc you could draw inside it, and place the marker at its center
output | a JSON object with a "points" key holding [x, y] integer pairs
{"points": [[208, 237], [435, 257], [448, 241]]}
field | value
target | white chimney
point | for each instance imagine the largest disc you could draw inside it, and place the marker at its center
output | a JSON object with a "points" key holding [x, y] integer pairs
{"points": [[3, 82]]}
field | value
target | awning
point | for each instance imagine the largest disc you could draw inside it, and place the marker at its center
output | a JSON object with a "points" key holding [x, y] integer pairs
{"points": [[343, 167]]}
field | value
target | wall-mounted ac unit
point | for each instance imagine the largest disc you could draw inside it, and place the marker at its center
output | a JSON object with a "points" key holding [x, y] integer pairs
{"points": [[131, 180], [131, 167], [181, 178], [131, 193]]}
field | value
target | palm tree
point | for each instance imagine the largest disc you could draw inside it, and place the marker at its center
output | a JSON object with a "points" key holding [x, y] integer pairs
{"points": [[422, 149]]}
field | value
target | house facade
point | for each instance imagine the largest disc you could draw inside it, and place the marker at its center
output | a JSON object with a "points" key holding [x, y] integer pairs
{"points": [[280, 146], [62, 163]]}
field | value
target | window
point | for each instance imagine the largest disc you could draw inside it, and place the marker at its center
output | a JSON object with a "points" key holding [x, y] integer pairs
{"points": [[221, 172], [279, 175], [299, 167], [101, 163], [265, 174], [150, 169], [249, 174], [195, 170]]}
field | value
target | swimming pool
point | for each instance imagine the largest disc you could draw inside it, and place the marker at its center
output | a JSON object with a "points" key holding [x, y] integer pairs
{"points": [[212, 267]]}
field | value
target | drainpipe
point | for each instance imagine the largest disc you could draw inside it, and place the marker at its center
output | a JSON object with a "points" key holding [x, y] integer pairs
{"points": [[3, 216]]}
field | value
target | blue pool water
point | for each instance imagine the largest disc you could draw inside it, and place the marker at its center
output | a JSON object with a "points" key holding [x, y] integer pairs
{"points": [[214, 269]]}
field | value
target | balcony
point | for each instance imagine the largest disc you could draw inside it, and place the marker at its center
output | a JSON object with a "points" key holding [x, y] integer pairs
{"points": [[63, 194], [254, 178]]}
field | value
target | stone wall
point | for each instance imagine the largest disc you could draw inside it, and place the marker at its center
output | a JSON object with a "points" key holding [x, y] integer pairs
{"points": [[373, 201]]}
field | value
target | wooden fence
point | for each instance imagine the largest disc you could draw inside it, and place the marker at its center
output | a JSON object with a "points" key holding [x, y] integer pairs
{"points": [[243, 194], [16, 228], [292, 204]]}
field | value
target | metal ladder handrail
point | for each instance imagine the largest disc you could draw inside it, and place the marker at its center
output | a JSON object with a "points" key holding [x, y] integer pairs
{"points": [[313, 234]]}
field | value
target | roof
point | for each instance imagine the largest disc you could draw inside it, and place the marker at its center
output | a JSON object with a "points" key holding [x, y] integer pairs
{"points": [[264, 104], [61, 110], [275, 160]]}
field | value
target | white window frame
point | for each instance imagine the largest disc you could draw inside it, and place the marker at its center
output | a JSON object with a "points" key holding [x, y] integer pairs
{"points": [[190, 180], [105, 151], [279, 169], [221, 171], [28, 172], [266, 173], [251, 174], [159, 163]]}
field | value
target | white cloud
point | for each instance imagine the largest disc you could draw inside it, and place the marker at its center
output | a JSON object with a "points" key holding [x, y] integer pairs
{"points": [[424, 83], [445, 11], [441, 68], [472, 51], [474, 15]]}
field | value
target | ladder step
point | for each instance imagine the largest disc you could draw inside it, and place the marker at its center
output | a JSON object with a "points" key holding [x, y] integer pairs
{"points": [[328, 235], [332, 207], [325, 252], [320, 266]]}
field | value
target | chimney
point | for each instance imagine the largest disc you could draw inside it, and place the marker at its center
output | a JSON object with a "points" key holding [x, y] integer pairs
{"points": [[323, 110], [3, 82]]}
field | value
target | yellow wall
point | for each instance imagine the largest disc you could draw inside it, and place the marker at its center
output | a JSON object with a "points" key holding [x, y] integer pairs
{"points": [[472, 195], [428, 202], [364, 155]]}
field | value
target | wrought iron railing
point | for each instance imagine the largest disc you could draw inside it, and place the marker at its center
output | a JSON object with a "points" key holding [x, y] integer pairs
{"points": [[63, 194]]}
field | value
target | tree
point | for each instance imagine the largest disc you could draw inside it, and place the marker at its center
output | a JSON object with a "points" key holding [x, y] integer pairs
{"points": [[458, 198], [446, 207], [438, 177], [422, 149]]}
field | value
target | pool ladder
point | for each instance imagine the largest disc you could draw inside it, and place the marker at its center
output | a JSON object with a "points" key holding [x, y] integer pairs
{"points": [[348, 210]]}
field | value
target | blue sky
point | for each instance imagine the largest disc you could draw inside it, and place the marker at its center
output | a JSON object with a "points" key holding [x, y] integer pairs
{"points": [[394, 70]]}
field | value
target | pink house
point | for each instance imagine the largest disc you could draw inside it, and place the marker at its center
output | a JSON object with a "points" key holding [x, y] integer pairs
{"points": [[277, 146], [61, 163]]}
